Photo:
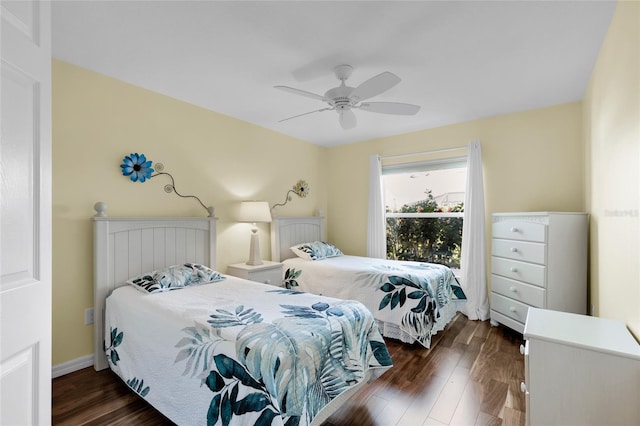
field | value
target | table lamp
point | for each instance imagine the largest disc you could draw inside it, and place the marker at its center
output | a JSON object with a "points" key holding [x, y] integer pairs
{"points": [[254, 212]]}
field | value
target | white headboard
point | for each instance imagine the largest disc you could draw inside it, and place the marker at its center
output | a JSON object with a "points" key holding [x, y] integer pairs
{"points": [[288, 231], [124, 247]]}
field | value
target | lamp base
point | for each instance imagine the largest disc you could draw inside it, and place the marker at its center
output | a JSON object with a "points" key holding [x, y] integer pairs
{"points": [[254, 251]]}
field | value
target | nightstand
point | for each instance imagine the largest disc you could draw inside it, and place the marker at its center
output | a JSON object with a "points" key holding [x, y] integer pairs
{"points": [[267, 273], [579, 370]]}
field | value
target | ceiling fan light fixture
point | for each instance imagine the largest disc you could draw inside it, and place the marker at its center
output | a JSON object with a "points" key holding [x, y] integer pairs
{"points": [[347, 119]]}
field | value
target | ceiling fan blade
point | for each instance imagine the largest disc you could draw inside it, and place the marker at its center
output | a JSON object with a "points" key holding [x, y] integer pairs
{"points": [[375, 85], [348, 119], [306, 113], [390, 108], [300, 92]]}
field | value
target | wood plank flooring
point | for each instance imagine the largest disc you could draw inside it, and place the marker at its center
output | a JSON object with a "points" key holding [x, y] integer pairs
{"points": [[470, 376]]}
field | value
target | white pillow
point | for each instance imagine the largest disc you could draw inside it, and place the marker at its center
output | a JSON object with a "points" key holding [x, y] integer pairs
{"points": [[175, 277], [316, 250]]}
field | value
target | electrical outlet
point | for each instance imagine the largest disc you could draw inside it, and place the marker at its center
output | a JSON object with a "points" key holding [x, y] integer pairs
{"points": [[88, 316]]}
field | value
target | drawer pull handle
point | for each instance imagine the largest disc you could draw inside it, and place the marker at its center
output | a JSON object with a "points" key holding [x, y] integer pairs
{"points": [[514, 229], [514, 250], [514, 269], [521, 349], [512, 309], [512, 289], [523, 387]]}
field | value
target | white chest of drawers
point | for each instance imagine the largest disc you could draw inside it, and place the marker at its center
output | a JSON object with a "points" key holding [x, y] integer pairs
{"points": [[580, 370], [537, 260]]}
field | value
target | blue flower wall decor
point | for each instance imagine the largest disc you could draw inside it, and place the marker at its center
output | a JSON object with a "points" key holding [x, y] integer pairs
{"points": [[136, 167]]}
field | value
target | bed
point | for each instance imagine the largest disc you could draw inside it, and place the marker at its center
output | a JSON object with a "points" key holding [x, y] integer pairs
{"points": [[216, 349], [411, 301]]}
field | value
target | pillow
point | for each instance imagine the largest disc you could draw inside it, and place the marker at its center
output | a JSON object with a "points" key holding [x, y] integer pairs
{"points": [[316, 250], [175, 277]]}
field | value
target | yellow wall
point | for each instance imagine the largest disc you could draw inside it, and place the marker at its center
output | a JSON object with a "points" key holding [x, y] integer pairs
{"points": [[612, 137], [97, 121], [533, 161]]}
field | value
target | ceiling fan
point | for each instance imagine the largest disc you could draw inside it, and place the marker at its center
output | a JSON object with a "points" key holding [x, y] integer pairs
{"points": [[344, 99]]}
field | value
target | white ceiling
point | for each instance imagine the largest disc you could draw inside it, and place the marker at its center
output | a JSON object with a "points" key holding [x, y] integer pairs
{"points": [[458, 60]]}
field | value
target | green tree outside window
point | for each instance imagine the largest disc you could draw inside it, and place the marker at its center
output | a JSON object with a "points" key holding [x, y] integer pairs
{"points": [[425, 239]]}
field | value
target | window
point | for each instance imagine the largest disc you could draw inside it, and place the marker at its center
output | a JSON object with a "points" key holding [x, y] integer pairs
{"points": [[424, 210]]}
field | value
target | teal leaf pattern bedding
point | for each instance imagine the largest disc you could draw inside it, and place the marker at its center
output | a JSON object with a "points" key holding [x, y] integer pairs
{"points": [[242, 353], [416, 297], [316, 250], [138, 386], [290, 276], [115, 339], [226, 404], [175, 277]]}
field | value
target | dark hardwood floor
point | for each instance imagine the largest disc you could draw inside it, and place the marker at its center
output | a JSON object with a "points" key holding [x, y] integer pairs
{"points": [[470, 376]]}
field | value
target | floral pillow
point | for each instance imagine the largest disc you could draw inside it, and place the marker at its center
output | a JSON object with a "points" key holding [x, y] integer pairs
{"points": [[175, 277], [316, 250]]}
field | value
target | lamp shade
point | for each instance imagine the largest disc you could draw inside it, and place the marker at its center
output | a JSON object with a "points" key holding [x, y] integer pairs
{"points": [[254, 211]]}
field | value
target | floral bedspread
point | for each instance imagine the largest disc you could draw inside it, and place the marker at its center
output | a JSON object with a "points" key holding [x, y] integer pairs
{"points": [[240, 353], [414, 296]]}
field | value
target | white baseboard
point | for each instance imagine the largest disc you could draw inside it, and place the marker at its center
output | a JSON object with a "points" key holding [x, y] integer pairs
{"points": [[71, 366]]}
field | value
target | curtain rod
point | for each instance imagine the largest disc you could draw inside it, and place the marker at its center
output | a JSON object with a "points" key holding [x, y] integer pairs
{"points": [[434, 151]]}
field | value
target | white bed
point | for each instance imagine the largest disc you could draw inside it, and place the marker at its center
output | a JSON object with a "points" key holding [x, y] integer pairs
{"points": [[221, 352], [411, 301]]}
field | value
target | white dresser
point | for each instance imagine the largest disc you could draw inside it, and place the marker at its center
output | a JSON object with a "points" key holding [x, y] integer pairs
{"points": [[580, 370], [537, 260]]}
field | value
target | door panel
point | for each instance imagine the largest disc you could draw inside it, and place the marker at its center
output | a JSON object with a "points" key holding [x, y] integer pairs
{"points": [[18, 178]]}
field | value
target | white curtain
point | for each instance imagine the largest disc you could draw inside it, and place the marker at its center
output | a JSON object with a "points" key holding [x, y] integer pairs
{"points": [[473, 256], [376, 229]]}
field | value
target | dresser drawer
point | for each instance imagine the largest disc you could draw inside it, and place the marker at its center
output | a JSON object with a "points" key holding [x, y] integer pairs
{"points": [[523, 231], [521, 271], [519, 291], [497, 317], [520, 250], [266, 273], [270, 276], [509, 307]]}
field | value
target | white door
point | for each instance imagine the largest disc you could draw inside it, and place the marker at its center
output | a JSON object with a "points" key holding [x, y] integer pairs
{"points": [[25, 213]]}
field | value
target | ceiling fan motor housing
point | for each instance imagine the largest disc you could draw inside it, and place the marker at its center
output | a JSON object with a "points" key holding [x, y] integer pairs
{"points": [[338, 97]]}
